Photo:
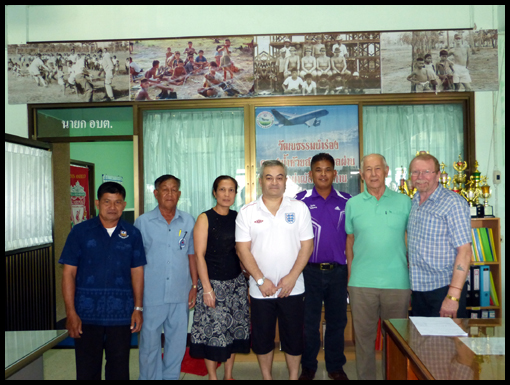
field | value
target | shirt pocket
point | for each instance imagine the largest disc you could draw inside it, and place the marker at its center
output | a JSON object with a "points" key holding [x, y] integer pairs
{"points": [[396, 220]]}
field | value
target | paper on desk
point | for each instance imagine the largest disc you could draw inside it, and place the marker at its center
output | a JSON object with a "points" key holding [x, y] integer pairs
{"points": [[483, 346], [437, 326]]}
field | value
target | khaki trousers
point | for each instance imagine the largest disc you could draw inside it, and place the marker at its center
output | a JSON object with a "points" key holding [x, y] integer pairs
{"points": [[367, 306]]}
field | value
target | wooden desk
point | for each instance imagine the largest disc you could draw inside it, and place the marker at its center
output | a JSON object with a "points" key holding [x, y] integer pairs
{"points": [[411, 356]]}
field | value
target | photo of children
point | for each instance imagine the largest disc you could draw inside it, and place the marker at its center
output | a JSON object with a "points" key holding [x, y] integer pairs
{"points": [[318, 64], [68, 72], [191, 69], [439, 61]]}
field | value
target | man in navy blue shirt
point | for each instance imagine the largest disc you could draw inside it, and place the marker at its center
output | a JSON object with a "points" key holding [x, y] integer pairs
{"points": [[102, 285], [326, 272]]}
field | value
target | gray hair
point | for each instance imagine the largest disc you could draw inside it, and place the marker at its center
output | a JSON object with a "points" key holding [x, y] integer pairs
{"points": [[272, 163], [363, 161]]}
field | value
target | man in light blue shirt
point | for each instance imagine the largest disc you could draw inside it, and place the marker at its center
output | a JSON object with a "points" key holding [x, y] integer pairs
{"points": [[439, 243], [170, 282]]}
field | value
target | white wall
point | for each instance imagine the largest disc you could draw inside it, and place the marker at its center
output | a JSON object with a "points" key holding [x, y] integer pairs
{"points": [[32, 23]]}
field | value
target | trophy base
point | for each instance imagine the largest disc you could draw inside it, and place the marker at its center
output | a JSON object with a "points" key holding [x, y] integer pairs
{"points": [[488, 212], [473, 212]]}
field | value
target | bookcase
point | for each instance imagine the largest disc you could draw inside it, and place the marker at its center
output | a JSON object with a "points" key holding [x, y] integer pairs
{"points": [[495, 267]]}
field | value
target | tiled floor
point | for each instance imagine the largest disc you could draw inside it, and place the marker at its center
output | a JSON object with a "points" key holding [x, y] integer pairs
{"points": [[59, 365]]}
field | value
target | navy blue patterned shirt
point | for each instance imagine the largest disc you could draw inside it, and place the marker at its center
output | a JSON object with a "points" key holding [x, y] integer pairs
{"points": [[104, 293]]}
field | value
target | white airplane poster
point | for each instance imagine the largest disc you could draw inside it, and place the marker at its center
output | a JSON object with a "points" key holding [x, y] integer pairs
{"points": [[294, 135]]}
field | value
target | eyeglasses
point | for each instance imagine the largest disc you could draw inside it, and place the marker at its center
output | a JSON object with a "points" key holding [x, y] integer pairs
{"points": [[424, 173]]}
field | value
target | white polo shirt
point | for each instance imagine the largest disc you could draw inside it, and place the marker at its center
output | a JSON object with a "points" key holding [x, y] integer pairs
{"points": [[275, 240]]}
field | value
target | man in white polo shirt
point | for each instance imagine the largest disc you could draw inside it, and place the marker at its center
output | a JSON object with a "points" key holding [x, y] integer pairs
{"points": [[274, 238]]}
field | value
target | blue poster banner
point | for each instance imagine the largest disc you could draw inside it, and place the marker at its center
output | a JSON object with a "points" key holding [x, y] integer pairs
{"points": [[293, 135]]}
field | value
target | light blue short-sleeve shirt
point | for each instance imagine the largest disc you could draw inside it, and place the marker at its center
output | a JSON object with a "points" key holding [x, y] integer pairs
{"points": [[167, 246]]}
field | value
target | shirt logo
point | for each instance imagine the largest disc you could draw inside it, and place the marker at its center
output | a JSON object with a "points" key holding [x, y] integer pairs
{"points": [[338, 208], [123, 234], [258, 221], [312, 207], [290, 218]]}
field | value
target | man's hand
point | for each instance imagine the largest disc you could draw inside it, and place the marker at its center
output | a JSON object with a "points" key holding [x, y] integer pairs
{"points": [[449, 308], [268, 289], [73, 325], [286, 285], [192, 298], [136, 321]]}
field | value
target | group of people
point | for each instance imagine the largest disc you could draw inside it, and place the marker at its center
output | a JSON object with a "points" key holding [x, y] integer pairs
{"points": [[448, 74], [313, 70], [177, 69], [300, 253], [71, 70]]}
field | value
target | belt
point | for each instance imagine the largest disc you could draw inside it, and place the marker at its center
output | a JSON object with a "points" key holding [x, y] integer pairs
{"points": [[324, 266]]}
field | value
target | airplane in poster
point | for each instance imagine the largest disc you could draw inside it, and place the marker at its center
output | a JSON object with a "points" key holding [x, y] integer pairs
{"points": [[310, 118]]}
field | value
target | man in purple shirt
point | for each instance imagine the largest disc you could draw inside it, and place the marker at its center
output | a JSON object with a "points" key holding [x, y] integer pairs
{"points": [[326, 272]]}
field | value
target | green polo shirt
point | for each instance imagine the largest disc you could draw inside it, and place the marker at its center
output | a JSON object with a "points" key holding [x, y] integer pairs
{"points": [[379, 228]]}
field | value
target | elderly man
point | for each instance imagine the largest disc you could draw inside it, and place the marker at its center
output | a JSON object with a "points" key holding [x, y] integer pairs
{"points": [[439, 239], [102, 284], [171, 278], [326, 273], [375, 222], [274, 238]]}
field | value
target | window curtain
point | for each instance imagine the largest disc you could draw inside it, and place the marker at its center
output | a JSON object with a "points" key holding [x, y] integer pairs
{"points": [[196, 146], [28, 197], [399, 131]]}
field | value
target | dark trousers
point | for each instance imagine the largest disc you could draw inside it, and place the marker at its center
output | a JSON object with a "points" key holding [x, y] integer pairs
{"points": [[329, 286], [428, 303], [115, 340]]}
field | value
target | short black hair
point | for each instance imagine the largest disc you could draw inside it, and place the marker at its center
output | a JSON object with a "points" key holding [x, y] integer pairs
{"points": [[322, 156], [165, 177], [219, 179], [111, 188]]}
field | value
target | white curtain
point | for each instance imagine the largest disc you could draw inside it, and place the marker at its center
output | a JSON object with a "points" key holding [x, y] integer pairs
{"points": [[196, 146], [28, 197], [399, 131]]}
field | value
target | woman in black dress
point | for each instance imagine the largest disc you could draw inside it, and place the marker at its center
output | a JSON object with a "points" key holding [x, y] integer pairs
{"points": [[221, 325]]}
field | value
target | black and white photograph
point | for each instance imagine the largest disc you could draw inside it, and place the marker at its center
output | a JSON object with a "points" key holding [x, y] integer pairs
{"points": [[439, 61], [68, 72], [317, 64]]}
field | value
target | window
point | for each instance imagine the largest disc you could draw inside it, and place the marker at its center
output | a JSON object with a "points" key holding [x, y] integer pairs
{"points": [[399, 131], [196, 146]]}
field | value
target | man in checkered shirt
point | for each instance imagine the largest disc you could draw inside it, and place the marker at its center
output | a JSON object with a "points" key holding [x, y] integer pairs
{"points": [[439, 244]]}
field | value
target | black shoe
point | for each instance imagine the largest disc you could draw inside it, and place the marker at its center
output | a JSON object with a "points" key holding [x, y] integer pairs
{"points": [[307, 375], [338, 375]]}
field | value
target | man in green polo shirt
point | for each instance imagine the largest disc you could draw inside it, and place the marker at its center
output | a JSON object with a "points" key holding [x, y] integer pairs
{"points": [[375, 223]]}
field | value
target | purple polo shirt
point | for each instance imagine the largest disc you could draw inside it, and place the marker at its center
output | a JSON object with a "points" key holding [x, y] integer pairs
{"points": [[328, 220]]}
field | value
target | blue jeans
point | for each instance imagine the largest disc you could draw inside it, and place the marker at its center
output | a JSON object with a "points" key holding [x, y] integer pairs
{"points": [[329, 286]]}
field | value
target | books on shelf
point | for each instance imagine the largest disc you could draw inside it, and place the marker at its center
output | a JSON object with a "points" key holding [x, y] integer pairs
{"points": [[481, 287], [483, 246]]}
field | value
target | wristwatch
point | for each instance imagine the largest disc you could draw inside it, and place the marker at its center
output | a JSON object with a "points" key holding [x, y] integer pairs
{"points": [[138, 308], [260, 281]]}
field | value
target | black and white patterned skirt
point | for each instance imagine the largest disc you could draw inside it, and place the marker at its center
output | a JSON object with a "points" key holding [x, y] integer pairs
{"points": [[219, 332]]}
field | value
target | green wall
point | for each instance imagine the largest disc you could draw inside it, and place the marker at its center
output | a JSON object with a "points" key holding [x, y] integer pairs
{"points": [[111, 158]]}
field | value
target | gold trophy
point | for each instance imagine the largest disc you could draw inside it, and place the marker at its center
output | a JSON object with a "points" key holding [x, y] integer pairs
{"points": [[406, 187], [471, 194], [445, 179], [460, 178], [486, 194]]}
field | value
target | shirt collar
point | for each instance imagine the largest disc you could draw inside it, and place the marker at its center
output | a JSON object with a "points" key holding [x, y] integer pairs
{"points": [[262, 206], [366, 195], [434, 196], [156, 214]]}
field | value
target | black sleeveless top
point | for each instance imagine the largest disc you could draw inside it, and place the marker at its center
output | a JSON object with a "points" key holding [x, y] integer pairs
{"points": [[220, 255]]}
